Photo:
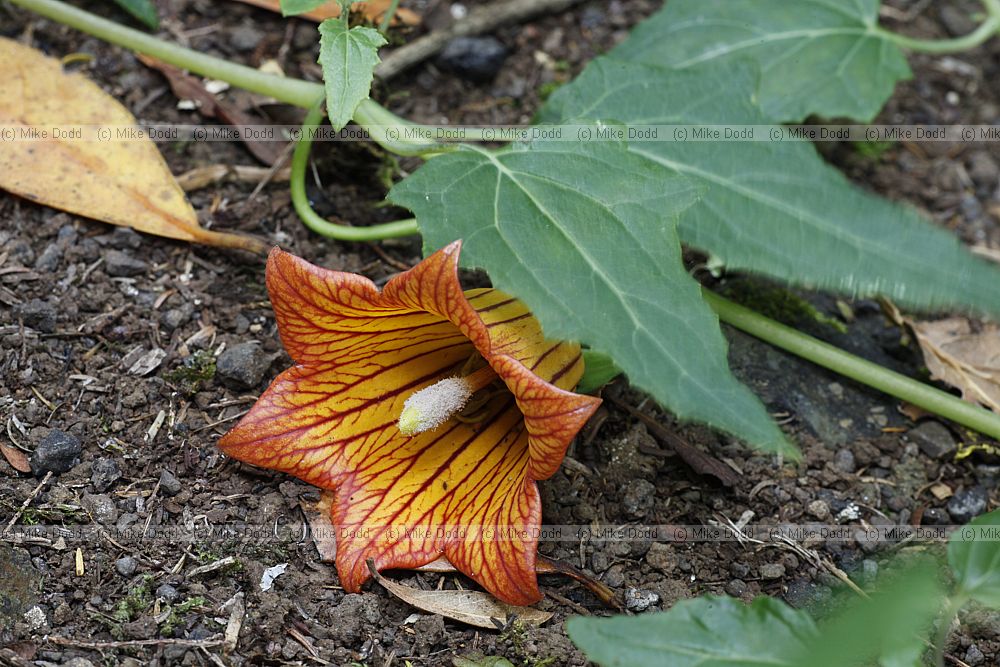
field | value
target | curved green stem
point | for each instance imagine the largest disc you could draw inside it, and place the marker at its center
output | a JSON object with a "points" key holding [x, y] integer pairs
{"points": [[311, 219], [985, 31], [856, 368], [369, 114]]}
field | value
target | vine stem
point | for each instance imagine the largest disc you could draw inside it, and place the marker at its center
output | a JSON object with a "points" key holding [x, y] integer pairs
{"points": [[856, 368], [385, 128], [315, 222], [985, 31]]}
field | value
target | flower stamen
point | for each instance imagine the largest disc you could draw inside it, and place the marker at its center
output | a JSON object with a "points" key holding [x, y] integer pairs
{"points": [[432, 406]]}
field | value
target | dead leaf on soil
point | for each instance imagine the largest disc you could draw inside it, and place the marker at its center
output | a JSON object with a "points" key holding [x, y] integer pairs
{"points": [[122, 182], [964, 355], [17, 459], [187, 87], [472, 607], [373, 11]]}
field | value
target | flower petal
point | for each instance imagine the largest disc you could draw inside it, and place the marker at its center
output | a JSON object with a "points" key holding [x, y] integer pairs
{"points": [[405, 501]]}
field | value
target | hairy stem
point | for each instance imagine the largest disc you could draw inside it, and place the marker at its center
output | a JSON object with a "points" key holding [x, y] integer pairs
{"points": [[987, 29], [311, 219], [856, 368]]}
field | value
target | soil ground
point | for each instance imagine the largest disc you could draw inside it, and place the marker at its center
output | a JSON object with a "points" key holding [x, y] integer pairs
{"points": [[66, 368]]}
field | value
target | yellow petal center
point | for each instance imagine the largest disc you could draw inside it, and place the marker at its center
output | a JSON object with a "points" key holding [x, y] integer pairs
{"points": [[432, 406]]}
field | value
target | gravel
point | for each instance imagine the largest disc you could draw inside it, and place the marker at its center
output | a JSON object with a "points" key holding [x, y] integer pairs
{"points": [[104, 473], [126, 566], [934, 440], [122, 265], [243, 365], [473, 58], [967, 504], [37, 314]]}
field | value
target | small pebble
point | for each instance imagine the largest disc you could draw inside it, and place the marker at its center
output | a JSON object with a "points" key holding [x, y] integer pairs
{"points": [[473, 58], [934, 439], [661, 557], [58, 452], [638, 497], [244, 365], [104, 473], [843, 460], [119, 264], [167, 592], [169, 484], [37, 314], [967, 504], [973, 656], [772, 571], [126, 566], [639, 599], [737, 588], [819, 509]]}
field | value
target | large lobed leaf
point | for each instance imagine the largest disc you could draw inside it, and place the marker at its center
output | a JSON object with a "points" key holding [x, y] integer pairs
{"points": [[974, 555], [708, 631], [775, 207], [348, 57], [826, 57], [584, 234], [715, 631]]}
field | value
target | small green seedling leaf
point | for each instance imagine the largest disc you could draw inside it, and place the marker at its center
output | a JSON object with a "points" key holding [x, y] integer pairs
{"points": [[581, 231], [708, 631], [144, 10], [295, 7], [348, 58], [815, 56], [777, 208], [974, 556], [599, 369]]}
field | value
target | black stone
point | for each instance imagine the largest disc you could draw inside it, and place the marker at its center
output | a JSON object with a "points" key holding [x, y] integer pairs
{"points": [[474, 58], [58, 452]]}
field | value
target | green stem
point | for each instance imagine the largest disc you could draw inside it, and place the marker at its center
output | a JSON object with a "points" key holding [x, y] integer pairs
{"points": [[387, 18], [944, 629], [311, 219], [985, 31], [307, 94], [866, 372]]}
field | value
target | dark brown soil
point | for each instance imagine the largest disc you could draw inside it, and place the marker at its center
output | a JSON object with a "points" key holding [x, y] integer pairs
{"points": [[862, 462]]}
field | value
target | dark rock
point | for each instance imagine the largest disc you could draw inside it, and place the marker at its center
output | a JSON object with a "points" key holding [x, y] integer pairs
{"points": [[37, 314], [638, 497], [737, 588], [600, 561], [935, 516], [967, 504], [49, 260], [167, 592], [473, 58], [143, 628], [244, 365], [739, 569], [973, 656], [21, 582], [58, 452], [174, 318], [123, 238], [245, 38], [843, 460], [117, 263], [615, 576], [934, 439], [104, 473], [771, 571], [126, 566], [169, 484]]}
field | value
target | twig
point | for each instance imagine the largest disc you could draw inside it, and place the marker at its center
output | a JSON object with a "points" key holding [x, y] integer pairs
{"points": [[209, 641], [28, 501], [482, 19]]}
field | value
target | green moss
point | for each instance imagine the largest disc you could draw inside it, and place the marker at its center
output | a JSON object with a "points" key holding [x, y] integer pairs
{"points": [[139, 599], [195, 370], [873, 150], [778, 303], [178, 613]]}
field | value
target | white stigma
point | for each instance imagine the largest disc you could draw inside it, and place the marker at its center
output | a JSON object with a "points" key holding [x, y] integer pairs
{"points": [[434, 405]]}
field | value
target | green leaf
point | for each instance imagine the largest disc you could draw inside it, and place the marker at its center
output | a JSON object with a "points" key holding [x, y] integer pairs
{"points": [[974, 555], [775, 207], [348, 59], [598, 370], [144, 10], [294, 7], [708, 631], [584, 234], [826, 57], [885, 626]]}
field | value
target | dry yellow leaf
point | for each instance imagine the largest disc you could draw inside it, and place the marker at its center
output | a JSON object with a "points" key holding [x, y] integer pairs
{"points": [[122, 182], [965, 356]]}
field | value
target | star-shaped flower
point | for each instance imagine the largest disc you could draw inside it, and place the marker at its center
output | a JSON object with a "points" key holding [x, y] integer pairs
{"points": [[429, 411]]}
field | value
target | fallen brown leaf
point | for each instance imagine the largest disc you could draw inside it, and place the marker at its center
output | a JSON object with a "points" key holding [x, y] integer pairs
{"points": [[965, 356], [210, 174], [121, 182], [373, 11], [481, 610], [187, 87], [17, 459]]}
